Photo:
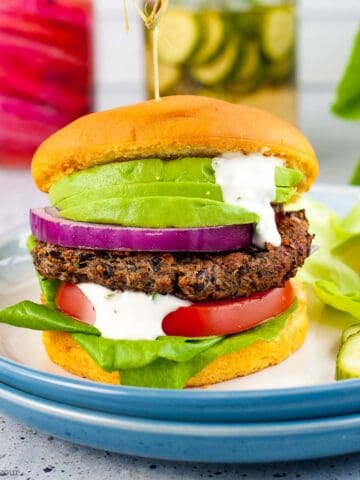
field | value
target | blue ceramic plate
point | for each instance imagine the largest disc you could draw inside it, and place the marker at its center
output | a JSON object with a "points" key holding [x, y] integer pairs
{"points": [[259, 397], [202, 442]]}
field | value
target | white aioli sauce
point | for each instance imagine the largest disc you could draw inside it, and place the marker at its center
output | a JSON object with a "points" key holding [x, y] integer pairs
{"points": [[129, 315], [249, 182]]}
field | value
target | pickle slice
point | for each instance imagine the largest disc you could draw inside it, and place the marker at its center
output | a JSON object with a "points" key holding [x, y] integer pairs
{"points": [[213, 36], [250, 64], [169, 75], [220, 68], [281, 71], [179, 36], [350, 331], [348, 359], [249, 72], [278, 33]]}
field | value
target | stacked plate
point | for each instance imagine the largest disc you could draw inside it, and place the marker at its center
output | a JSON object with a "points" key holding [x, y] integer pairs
{"points": [[253, 419]]}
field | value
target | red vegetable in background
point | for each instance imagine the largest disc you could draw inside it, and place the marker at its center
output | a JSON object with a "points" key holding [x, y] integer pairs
{"points": [[45, 71]]}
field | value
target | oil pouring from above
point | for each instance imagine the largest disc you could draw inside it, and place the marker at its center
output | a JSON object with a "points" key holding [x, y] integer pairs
{"points": [[151, 15]]}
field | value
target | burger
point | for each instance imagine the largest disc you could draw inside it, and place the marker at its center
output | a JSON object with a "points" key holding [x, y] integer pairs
{"points": [[167, 257]]}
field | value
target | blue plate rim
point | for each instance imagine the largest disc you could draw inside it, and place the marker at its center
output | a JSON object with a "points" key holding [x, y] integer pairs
{"points": [[191, 394], [236, 442], [177, 428]]}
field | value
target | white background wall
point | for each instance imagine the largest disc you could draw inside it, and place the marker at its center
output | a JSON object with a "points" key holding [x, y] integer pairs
{"points": [[326, 31]]}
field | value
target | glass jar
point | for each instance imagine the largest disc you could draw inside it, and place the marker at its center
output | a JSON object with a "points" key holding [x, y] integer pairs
{"points": [[239, 50], [45, 71]]}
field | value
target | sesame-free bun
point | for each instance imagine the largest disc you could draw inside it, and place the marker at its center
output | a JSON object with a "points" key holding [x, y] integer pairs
{"points": [[173, 127], [64, 351]]}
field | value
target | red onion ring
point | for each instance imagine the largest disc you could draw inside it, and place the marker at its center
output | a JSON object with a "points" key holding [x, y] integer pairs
{"points": [[47, 226]]}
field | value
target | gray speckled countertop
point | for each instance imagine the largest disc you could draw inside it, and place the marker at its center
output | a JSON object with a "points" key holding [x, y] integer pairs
{"points": [[27, 454]]}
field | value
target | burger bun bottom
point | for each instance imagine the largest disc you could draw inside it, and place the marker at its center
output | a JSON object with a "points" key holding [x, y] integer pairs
{"points": [[65, 352]]}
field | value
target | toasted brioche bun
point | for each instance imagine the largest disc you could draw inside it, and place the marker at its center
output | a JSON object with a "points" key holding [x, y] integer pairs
{"points": [[175, 126], [64, 351]]}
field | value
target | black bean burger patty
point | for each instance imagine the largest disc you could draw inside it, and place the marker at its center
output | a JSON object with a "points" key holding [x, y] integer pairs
{"points": [[192, 276]]}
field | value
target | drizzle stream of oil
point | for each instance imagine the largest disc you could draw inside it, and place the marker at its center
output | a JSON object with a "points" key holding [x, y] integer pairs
{"points": [[150, 15]]}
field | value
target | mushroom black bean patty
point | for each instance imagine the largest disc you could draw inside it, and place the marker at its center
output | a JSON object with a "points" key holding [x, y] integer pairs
{"points": [[192, 276]]}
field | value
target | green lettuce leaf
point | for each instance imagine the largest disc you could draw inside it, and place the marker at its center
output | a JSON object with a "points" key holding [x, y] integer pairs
{"points": [[350, 225], [333, 296], [31, 315], [48, 287], [31, 242], [355, 177], [118, 354], [165, 373], [334, 269], [169, 362], [347, 103]]}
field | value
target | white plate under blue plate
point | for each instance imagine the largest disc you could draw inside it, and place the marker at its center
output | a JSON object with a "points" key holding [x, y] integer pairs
{"points": [[308, 375], [201, 442]]}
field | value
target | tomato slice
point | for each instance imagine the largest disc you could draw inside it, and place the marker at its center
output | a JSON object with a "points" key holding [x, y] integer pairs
{"points": [[225, 317], [71, 300], [201, 319]]}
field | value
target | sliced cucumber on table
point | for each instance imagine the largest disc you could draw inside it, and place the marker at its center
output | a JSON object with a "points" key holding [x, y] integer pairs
{"points": [[350, 331], [348, 359], [220, 68], [213, 32], [179, 36], [278, 33]]}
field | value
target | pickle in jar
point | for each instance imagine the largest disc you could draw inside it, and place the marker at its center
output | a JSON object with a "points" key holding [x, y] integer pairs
{"points": [[229, 51]]}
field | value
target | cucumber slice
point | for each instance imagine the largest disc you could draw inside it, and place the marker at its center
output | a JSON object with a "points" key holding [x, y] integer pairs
{"points": [[350, 331], [248, 22], [213, 37], [179, 35], [249, 73], [279, 72], [169, 75], [278, 33], [251, 62], [348, 359], [220, 68]]}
